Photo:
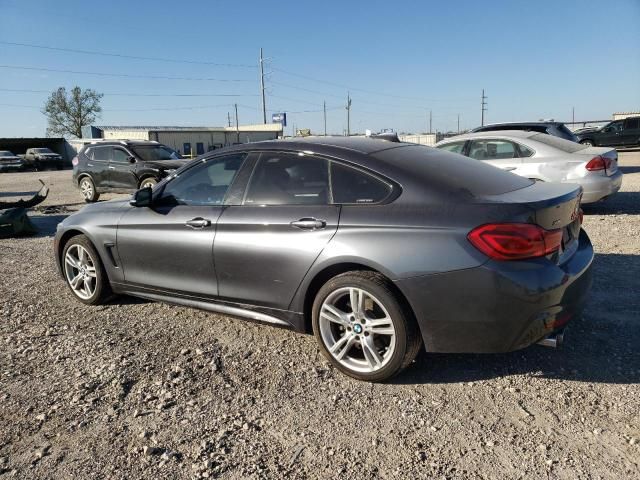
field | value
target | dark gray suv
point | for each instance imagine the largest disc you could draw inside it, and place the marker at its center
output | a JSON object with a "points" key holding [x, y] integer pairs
{"points": [[376, 247]]}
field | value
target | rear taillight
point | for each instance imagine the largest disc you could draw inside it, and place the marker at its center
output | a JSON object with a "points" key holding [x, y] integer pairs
{"points": [[598, 163], [581, 215], [75, 161], [514, 241]]}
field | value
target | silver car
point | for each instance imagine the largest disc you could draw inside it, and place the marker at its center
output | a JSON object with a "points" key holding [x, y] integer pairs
{"points": [[545, 158]]}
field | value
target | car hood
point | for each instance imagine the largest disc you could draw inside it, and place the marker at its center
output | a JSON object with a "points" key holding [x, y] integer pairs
{"points": [[586, 130], [166, 164]]}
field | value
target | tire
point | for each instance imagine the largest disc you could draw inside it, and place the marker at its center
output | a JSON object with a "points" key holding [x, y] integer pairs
{"points": [[148, 182], [345, 332], [80, 260], [88, 190], [588, 143]]}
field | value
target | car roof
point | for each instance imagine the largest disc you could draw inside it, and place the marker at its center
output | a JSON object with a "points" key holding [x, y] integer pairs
{"points": [[519, 123], [513, 134], [361, 144]]}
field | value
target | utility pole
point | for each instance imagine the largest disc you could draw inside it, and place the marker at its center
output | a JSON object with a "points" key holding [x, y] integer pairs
{"points": [[430, 122], [484, 105], [573, 115], [237, 129], [348, 107], [458, 123], [264, 105], [228, 119], [324, 109]]}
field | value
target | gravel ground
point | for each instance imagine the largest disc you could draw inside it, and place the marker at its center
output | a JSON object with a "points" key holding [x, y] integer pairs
{"points": [[136, 389]]}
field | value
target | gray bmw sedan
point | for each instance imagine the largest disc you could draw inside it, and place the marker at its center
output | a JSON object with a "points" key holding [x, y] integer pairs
{"points": [[379, 248]]}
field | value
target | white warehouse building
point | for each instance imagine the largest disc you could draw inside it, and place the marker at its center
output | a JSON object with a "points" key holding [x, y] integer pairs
{"points": [[189, 141]]}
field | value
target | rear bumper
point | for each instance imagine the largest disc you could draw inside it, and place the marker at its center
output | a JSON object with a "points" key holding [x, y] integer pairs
{"points": [[598, 187], [499, 306]]}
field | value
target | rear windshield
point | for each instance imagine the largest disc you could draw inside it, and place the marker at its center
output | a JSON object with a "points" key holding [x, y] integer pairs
{"points": [[155, 152], [559, 143], [453, 172]]}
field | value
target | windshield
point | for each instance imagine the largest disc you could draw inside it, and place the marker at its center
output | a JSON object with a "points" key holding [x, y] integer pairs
{"points": [[559, 143], [155, 152], [42, 150], [6, 153]]}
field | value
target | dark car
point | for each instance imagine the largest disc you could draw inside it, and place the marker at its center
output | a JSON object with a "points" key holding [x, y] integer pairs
{"points": [[43, 159], [122, 166], [557, 129], [377, 247], [10, 162], [623, 133]]}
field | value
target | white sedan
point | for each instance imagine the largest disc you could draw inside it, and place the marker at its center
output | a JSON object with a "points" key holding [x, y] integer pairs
{"points": [[545, 158]]}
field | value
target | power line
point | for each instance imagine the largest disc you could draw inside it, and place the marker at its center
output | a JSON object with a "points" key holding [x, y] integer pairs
{"points": [[133, 57], [18, 90], [126, 75]]}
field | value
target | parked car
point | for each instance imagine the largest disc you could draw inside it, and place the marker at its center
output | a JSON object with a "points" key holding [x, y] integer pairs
{"points": [[619, 133], [545, 158], [122, 166], [43, 159], [375, 246], [10, 162], [557, 129]]}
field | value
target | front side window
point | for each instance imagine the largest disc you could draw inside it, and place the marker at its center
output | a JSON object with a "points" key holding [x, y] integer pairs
{"points": [[203, 184], [613, 127], [492, 150], [351, 185], [455, 147], [119, 156], [289, 179]]}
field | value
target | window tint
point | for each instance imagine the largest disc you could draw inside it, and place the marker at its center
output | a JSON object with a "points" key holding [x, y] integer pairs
{"points": [[524, 151], [204, 184], [557, 142], [289, 179], [455, 147], [354, 186], [102, 153], [120, 156], [492, 150], [632, 123], [155, 152]]}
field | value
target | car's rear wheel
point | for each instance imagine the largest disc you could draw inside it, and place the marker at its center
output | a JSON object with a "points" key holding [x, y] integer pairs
{"points": [[148, 183], [362, 328], [84, 272], [88, 190], [588, 143]]}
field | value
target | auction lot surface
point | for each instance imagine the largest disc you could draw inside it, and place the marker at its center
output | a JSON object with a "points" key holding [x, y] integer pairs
{"points": [[145, 390]]}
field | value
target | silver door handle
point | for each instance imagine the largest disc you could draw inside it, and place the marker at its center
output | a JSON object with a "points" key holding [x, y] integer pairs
{"points": [[111, 168], [309, 224], [198, 222], [89, 164]]}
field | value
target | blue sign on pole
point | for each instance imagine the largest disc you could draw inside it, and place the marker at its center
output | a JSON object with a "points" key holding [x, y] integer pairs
{"points": [[279, 118]]}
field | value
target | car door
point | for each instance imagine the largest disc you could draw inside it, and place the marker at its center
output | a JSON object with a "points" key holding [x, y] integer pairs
{"points": [[121, 169], [631, 132], [498, 152], [98, 165], [611, 135], [265, 246], [169, 246]]}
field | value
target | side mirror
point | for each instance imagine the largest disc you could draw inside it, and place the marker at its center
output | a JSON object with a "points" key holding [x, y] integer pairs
{"points": [[142, 198], [132, 159]]}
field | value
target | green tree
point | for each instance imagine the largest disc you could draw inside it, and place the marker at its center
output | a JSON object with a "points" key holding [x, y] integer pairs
{"points": [[68, 113]]}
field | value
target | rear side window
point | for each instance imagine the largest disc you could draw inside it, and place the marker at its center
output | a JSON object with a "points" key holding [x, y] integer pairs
{"points": [[102, 153], [120, 156], [559, 143], [632, 123], [455, 147], [351, 185], [289, 179], [492, 150], [89, 153]]}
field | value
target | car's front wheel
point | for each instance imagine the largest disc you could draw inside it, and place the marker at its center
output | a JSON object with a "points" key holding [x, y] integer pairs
{"points": [[88, 190], [148, 183], [588, 143], [83, 271], [362, 328]]}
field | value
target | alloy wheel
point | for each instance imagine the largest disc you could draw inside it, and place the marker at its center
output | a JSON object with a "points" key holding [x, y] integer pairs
{"points": [[80, 271], [357, 329], [87, 189]]}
